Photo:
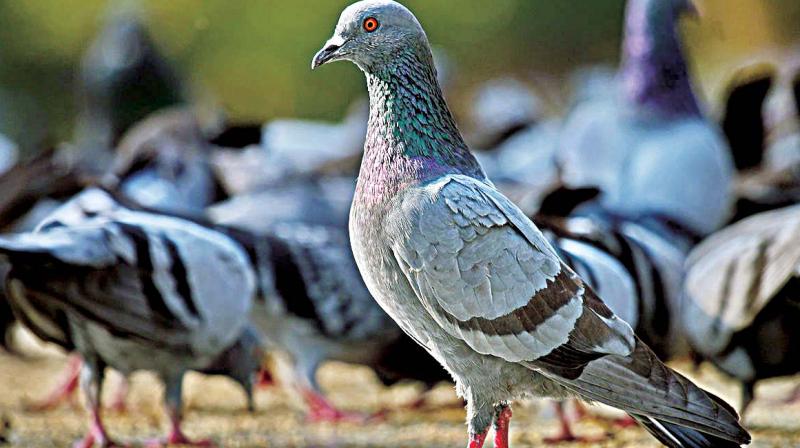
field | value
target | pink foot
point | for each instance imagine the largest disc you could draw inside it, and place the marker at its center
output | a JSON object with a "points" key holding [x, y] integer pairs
{"points": [[321, 410], [65, 391], [98, 440], [179, 439], [265, 379], [566, 435], [477, 440]]}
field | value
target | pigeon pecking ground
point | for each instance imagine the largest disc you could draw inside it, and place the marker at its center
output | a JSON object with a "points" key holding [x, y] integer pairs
{"points": [[216, 409]]}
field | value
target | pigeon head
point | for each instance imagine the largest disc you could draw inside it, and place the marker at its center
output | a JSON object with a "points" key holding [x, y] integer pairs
{"points": [[371, 34]]}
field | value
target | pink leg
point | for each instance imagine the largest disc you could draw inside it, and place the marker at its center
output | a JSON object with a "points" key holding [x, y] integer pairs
{"points": [[176, 435], [264, 379], [566, 435], [794, 398], [66, 387], [501, 425], [477, 440], [322, 410], [620, 422], [118, 403], [91, 379]]}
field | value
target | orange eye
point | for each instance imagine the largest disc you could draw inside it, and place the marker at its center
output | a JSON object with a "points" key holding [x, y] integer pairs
{"points": [[370, 24]]}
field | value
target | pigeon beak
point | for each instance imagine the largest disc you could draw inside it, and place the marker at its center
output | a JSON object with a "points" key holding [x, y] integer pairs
{"points": [[328, 52]]}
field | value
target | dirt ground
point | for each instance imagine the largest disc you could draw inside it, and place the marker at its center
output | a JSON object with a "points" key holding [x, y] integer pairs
{"points": [[215, 409]]}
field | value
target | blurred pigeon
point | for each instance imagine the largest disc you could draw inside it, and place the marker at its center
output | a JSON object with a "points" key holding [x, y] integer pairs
{"points": [[651, 152], [163, 163], [470, 278], [501, 108], [314, 306], [762, 123], [320, 201], [743, 121], [131, 291], [741, 306], [123, 78]]}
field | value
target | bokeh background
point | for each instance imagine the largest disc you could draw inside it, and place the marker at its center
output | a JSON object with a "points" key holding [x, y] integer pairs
{"points": [[252, 56]]}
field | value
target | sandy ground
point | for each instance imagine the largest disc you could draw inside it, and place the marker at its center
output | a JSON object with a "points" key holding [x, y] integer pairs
{"points": [[215, 409]]}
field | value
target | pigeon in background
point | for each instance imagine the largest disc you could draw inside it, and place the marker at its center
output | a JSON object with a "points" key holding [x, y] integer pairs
{"points": [[741, 299], [321, 201], [314, 306], [470, 278], [163, 163], [518, 143], [123, 78], [651, 152], [762, 121], [132, 291]]}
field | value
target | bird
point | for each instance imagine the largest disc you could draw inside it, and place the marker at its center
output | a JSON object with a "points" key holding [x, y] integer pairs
{"points": [[762, 124], [122, 78], [469, 277], [741, 304], [312, 304], [131, 291], [651, 151], [164, 163], [161, 163]]}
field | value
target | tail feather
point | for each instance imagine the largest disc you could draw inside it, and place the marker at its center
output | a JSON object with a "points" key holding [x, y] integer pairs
{"points": [[676, 436], [666, 403]]}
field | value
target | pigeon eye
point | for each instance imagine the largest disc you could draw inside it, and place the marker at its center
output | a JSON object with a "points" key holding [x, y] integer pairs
{"points": [[371, 24]]}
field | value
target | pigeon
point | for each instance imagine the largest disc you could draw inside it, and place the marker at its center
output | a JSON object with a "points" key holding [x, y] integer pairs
{"points": [[314, 306], [741, 298], [163, 163], [462, 270], [132, 291], [122, 78], [762, 121], [651, 152], [321, 201]]}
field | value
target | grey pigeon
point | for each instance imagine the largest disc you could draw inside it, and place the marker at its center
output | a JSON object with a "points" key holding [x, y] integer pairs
{"points": [[131, 291], [466, 274], [651, 152], [762, 123], [314, 306], [164, 163], [123, 78], [320, 201], [741, 307]]}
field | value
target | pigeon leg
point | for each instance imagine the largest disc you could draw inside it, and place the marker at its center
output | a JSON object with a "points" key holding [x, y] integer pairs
{"points": [[502, 422], [794, 397], [581, 413], [66, 387], [91, 379], [320, 409], [174, 407], [566, 434], [748, 395], [118, 403], [264, 379]]}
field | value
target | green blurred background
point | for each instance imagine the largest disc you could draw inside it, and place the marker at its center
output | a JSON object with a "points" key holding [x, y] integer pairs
{"points": [[252, 56]]}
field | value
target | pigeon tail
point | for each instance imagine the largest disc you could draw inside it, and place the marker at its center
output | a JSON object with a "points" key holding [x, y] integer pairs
{"points": [[667, 404], [677, 436]]}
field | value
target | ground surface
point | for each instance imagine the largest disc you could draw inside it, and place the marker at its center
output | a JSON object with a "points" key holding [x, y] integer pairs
{"points": [[215, 410]]}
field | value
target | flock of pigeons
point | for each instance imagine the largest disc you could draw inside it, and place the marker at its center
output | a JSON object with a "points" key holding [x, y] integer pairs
{"points": [[641, 234]]}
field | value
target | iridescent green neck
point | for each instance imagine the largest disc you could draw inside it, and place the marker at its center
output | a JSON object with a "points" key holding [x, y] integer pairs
{"points": [[412, 136]]}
